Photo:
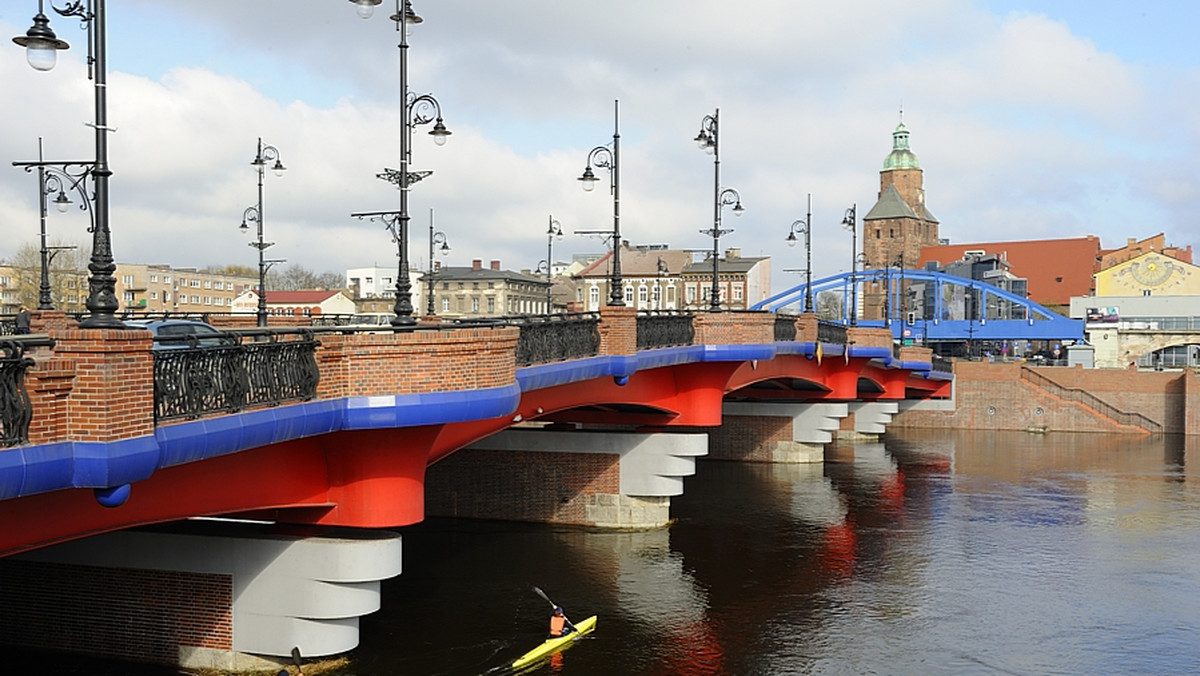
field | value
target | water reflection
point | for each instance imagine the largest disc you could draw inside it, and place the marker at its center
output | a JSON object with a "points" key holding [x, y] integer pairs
{"points": [[952, 553]]}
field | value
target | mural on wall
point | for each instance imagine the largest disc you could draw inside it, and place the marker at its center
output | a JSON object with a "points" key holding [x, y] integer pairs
{"points": [[1151, 273]]}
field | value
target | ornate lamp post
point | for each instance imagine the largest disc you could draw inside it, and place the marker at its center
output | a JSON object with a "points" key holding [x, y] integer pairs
{"points": [[418, 110], [254, 214], [709, 140], [604, 157], [554, 231], [436, 239], [52, 180], [41, 46], [803, 226], [850, 222]]}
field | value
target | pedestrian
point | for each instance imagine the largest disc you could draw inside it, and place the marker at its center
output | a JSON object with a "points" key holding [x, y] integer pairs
{"points": [[23, 320]]}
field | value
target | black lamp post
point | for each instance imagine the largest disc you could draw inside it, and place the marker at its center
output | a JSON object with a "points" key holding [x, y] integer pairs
{"points": [[41, 46], [418, 110], [709, 140], [436, 239], [554, 231], [266, 153], [604, 157], [850, 222], [52, 180], [803, 226]]}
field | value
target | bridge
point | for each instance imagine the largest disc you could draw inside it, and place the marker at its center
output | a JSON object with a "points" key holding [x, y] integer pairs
{"points": [[253, 484], [930, 307]]}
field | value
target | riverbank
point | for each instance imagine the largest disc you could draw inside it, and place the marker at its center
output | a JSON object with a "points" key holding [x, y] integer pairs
{"points": [[1046, 399]]}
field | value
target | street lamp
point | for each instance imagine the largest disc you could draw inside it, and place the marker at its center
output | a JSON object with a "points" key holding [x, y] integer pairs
{"points": [[554, 231], [418, 110], [709, 140], [41, 46], [267, 153], [803, 226], [850, 222], [438, 239], [52, 180], [604, 157]]}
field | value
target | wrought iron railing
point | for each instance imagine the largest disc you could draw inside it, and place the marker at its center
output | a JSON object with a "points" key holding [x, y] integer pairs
{"points": [[16, 410], [664, 328], [832, 333], [546, 339], [785, 328], [192, 381], [1076, 395]]}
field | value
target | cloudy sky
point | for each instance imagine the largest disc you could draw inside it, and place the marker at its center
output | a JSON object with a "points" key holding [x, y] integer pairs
{"points": [[1031, 119]]}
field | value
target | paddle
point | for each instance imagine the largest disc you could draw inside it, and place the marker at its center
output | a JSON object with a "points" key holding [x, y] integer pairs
{"points": [[296, 659], [554, 605]]}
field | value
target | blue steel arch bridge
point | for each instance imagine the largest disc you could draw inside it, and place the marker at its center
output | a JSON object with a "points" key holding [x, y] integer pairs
{"points": [[928, 307]]}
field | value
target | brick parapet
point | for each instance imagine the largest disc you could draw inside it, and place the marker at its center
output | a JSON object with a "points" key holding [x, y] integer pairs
{"points": [[806, 327], [369, 364], [734, 328], [618, 330], [861, 336], [111, 393]]}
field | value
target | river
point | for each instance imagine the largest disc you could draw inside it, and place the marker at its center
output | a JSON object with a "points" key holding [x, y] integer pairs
{"points": [[929, 553]]}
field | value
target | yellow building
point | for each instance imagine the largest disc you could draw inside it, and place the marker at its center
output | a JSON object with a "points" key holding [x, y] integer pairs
{"points": [[1150, 274]]}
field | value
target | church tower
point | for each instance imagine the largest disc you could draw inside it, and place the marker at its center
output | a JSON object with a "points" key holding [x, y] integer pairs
{"points": [[897, 227]]}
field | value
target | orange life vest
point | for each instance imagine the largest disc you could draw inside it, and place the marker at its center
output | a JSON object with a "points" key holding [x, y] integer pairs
{"points": [[557, 622]]}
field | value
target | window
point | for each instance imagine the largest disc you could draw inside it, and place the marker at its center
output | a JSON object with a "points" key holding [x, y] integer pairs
{"points": [[446, 285], [371, 280], [208, 300], [127, 280], [475, 304], [153, 295], [127, 296], [691, 294], [166, 279], [737, 291], [474, 285], [491, 305], [643, 295], [594, 296], [208, 284], [195, 299], [5, 281], [629, 294], [445, 305], [154, 278], [195, 283], [491, 285]]}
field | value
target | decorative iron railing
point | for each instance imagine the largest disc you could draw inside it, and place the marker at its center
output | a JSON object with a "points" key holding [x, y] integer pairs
{"points": [[664, 328], [16, 410], [546, 339], [832, 333], [941, 364], [193, 381], [1076, 395], [785, 328]]}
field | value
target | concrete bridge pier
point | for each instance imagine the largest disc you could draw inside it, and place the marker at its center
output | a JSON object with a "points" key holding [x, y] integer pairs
{"points": [[776, 432], [868, 420], [605, 479], [199, 594]]}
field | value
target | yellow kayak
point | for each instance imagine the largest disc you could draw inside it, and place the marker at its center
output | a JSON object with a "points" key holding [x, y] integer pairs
{"points": [[551, 645]]}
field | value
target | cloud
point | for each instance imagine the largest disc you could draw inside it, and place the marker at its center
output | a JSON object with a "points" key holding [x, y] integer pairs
{"points": [[1024, 128]]}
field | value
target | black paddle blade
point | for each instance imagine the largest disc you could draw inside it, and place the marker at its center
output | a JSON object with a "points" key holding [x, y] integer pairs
{"points": [[296, 655], [543, 595]]}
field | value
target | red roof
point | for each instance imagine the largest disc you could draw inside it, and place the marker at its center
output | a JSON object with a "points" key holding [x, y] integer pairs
{"points": [[1056, 269]]}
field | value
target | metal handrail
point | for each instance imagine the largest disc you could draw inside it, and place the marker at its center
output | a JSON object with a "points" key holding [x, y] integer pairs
{"points": [[1076, 395]]}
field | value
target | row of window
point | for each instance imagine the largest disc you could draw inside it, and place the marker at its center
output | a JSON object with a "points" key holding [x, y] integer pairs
{"points": [[129, 297], [129, 280]]}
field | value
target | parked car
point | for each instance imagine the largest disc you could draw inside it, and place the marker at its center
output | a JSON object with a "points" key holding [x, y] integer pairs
{"points": [[181, 333]]}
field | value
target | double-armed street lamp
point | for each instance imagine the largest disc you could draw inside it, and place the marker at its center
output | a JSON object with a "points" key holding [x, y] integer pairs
{"points": [[850, 222], [805, 227], [265, 154], [709, 140], [604, 157], [52, 181], [437, 240], [41, 46], [554, 231], [417, 110]]}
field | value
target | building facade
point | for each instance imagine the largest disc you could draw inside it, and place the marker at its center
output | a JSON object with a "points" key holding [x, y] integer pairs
{"points": [[486, 291], [161, 288]]}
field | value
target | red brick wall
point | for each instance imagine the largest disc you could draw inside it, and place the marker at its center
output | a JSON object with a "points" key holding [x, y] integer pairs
{"points": [[734, 328], [995, 397], [748, 438], [618, 330], [538, 487], [112, 392], [135, 615]]}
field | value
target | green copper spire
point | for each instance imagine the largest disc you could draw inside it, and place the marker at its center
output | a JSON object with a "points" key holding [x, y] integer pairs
{"points": [[900, 157]]}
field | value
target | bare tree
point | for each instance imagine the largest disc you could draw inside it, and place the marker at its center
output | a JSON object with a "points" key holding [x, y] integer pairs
{"points": [[300, 278], [68, 275], [829, 305]]}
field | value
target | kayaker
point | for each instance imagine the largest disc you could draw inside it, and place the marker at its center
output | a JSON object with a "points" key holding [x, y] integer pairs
{"points": [[559, 624]]}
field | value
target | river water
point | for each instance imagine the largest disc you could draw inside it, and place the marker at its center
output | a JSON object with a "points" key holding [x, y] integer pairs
{"points": [[929, 553]]}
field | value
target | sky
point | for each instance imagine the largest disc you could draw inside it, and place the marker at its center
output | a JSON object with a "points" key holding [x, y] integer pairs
{"points": [[1031, 120]]}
